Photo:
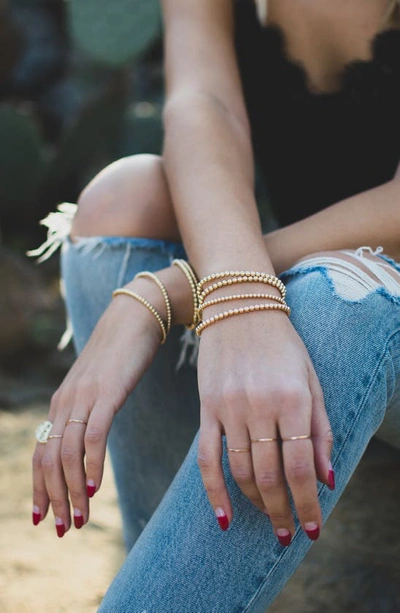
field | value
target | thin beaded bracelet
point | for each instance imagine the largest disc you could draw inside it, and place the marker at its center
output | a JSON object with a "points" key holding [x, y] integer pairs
{"points": [[266, 279], [209, 303], [250, 309], [153, 277], [147, 304], [191, 277], [272, 279]]}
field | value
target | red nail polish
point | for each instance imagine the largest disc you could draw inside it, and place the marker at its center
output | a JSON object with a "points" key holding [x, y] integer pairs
{"points": [[284, 539], [90, 488], [60, 528], [36, 517], [78, 521], [331, 480], [222, 518], [313, 534]]}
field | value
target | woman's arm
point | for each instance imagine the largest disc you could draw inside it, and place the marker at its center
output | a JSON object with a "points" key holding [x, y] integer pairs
{"points": [[370, 218], [207, 148]]}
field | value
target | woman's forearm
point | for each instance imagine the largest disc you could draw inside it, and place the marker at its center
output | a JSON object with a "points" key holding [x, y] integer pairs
{"points": [[209, 165], [369, 218]]}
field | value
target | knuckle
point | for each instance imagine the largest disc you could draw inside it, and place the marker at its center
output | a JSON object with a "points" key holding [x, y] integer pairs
{"points": [[47, 463], [329, 437], [68, 455], [205, 461], [280, 519], [268, 480], [94, 435], [242, 476], [37, 459], [299, 470], [307, 510], [56, 503]]}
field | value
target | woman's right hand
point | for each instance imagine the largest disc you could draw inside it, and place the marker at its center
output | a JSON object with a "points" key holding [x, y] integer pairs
{"points": [[257, 381], [67, 471]]}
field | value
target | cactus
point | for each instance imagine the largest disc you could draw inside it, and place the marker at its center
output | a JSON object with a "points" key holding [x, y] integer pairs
{"points": [[114, 32], [21, 158]]}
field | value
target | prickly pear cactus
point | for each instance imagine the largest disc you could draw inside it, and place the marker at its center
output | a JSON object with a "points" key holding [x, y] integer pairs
{"points": [[114, 32]]}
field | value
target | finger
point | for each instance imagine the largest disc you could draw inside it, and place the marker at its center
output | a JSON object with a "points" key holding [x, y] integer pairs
{"points": [[40, 497], [298, 458], [72, 458], [95, 442], [241, 464], [271, 483], [209, 461], [322, 436], [54, 478]]}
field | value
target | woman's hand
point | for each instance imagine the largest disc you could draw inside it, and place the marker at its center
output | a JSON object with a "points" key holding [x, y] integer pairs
{"points": [[68, 470], [256, 381]]}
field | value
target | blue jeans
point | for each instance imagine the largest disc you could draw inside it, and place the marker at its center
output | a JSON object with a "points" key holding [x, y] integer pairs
{"points": [[179, 560]]}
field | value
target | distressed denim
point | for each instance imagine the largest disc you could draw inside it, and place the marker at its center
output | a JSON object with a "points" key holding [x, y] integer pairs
{"points": [[179, 560]]}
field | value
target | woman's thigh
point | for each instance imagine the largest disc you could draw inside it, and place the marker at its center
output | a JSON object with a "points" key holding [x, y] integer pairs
{"points": [[182, 560]]}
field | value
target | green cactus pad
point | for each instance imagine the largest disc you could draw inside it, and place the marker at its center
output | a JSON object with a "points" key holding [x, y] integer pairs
{"points": [[114, 32]]}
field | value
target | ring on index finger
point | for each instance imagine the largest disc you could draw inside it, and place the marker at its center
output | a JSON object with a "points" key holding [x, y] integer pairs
{"points": [[239, 449], [76, 421]]}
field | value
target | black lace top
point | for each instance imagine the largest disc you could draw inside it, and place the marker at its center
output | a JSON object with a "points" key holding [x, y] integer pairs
{"points": [[315, 149]]}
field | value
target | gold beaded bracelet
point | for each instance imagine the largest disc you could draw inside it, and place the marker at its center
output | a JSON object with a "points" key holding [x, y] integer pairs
{"points": [[191, 277], [249, 309], [209, 303], [147, 304], [271, 279], [153, 277], [257, 278]]}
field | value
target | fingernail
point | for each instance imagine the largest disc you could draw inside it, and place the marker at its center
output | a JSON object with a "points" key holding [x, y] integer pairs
{"points": [[78, 519], [312, 530], [90, 488], [60, 528], [284, 536], [36, 516], [222, 518], [331, 478]]}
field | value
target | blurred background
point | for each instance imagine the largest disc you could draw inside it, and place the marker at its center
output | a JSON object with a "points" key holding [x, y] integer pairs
{"points": [[81, 85]]}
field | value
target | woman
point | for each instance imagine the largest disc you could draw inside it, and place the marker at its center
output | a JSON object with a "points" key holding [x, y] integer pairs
{"points": [[298, 363]]}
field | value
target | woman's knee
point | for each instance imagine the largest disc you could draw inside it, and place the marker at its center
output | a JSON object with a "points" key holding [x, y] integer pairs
{"points": [[130, 197]]}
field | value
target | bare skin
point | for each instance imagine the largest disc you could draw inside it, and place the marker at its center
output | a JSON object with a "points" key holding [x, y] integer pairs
{"points": [[215, 214]]}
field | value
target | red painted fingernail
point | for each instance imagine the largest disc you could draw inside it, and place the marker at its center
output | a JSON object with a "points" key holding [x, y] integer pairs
{"points": [[331, 478], [284, 536], [60, 528], [78, 519], [90, 488], [222, 518], [312, 530], [36, 516]]}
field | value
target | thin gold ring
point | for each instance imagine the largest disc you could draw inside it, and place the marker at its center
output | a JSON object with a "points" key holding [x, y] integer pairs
{"points": [[76, 421], [239, 449], [54, 436], [264, 440], [297, 438]]}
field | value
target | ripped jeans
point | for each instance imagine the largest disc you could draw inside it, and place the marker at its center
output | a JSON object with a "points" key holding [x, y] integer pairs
{"points": [[347, 311]]}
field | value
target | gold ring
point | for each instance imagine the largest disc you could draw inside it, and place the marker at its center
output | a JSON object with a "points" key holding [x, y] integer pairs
{"points": [[263, 440], [43, 431], [54, 436], [297, 438], [239, 449], [76, 421]]}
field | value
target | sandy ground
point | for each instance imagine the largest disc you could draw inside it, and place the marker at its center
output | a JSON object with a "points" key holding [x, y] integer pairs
{"points": [[355, 565]]}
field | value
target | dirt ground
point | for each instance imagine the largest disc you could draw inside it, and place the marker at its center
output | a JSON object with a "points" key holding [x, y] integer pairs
{"points": [[354, 567]]}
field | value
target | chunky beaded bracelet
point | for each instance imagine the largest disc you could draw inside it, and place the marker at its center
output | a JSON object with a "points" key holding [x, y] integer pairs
{"points": [[255, 278], [209, 303], [244, 276], [191, 277]]}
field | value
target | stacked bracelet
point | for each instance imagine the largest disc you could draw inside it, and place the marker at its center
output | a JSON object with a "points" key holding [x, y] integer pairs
{"points": [[153, 277], [147, 304], [191, 277], [229, 278]]}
